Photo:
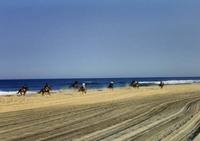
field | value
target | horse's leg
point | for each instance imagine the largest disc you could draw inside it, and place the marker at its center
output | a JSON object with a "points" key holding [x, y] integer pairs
{"points": [[19, 94]]}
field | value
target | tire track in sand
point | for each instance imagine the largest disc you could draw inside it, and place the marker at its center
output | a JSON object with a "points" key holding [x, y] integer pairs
{"points": [[120, 120], [112, 132]]}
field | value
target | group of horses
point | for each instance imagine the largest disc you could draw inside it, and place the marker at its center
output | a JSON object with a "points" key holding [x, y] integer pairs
{"points": [[45, 90], [81, 88]]}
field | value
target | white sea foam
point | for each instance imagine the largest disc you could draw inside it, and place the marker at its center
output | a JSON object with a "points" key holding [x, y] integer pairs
{"points": [[29, 92], [150, 82], [14, 92], [7, 92], [171, 82], [181, 81]]}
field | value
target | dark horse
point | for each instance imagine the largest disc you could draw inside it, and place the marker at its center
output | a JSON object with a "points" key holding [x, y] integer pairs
{"points": [[111, 85], [45, 89], [135, 84], [161, 84], [83, 88], [75, 85], [22, 91]]}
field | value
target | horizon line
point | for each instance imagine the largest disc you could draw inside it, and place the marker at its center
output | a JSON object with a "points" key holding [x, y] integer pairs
{"points": [[103, 77]]}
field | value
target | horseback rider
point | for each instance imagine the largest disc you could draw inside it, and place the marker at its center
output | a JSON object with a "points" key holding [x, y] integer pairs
{"points": [[75, 85], [23, 90], [135, 84], [45, 89], [111, 85], [132, 83], [161, 84], [83, 88]]}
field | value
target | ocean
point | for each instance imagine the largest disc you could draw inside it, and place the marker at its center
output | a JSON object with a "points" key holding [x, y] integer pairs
{"points": [[12, 86]]}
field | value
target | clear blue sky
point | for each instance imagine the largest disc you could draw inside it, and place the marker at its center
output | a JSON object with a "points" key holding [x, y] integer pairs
{"points": [[99, 38]]}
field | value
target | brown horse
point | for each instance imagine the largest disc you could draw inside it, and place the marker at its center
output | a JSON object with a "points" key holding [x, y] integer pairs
{"points": [[46, 89], [22, 91]]}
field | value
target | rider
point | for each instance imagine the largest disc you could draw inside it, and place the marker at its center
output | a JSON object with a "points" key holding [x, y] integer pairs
{"points": [[75, 84], [83, 88], [46, 87], [111, 85], [161, 84], [83, 85]]}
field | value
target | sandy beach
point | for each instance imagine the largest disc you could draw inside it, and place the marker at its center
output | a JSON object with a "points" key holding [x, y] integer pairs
{"points": [[147, 113]]}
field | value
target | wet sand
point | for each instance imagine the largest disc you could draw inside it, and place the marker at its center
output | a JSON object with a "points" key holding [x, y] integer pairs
{"points": [[147, 113]]}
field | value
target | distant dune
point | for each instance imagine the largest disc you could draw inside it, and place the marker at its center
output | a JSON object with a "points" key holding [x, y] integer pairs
{"points": [[147, 113]]}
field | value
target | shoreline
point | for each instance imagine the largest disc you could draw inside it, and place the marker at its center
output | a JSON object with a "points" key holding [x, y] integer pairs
{"points": [[70, 90], [71, 98]]}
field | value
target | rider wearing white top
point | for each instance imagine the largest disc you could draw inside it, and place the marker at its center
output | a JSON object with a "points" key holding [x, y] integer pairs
{"points": [[83, 85]]}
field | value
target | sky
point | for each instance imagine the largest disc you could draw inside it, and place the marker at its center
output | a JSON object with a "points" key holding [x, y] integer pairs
{"points": [[99, 38]]}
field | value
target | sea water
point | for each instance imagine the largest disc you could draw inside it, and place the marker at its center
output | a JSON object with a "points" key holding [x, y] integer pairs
{"points": [[12, 86]]}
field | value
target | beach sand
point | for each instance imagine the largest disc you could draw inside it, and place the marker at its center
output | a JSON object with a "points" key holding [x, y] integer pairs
{"points": [[147, 113]]}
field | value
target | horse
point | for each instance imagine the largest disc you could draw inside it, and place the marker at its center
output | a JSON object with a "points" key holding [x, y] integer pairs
{"points": [[22, 91], [45, 89], [82, 89], [75, 85], [161, 84], [111, 85], [135, 84]]}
